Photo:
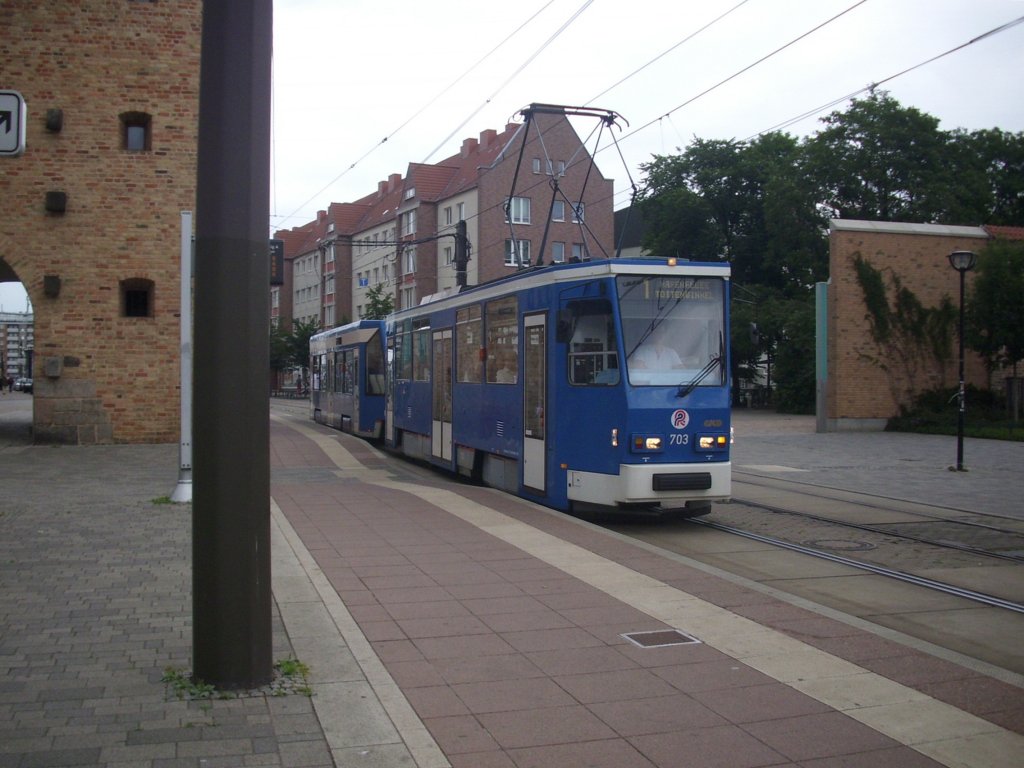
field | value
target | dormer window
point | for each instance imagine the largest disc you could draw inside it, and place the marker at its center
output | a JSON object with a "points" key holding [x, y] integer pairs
{"points": [[410, 193]]}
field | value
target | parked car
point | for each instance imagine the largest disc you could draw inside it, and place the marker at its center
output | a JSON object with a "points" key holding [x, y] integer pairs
{"points": [[23, 384]]}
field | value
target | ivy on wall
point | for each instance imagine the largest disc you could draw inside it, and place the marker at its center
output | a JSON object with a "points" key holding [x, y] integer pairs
{"points": [[911, 343]]}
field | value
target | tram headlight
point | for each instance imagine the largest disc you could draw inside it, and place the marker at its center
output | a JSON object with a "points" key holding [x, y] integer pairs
{"points": [[646, 443], [712, 442]]}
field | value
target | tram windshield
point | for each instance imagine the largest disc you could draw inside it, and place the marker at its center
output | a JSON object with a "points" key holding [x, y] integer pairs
{"points": [[674, 330]]}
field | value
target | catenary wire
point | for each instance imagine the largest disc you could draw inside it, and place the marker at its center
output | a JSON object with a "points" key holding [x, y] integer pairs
{"points": [[872, 86], [433, 100]]}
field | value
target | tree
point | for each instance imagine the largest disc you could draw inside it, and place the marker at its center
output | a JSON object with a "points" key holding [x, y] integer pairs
{"points": [[378, 304], [881, 161], [995, 305], [302, 331]]}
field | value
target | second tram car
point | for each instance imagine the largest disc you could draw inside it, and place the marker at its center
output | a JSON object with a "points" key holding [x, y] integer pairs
{"points": [[593, 386], [347, 378]]}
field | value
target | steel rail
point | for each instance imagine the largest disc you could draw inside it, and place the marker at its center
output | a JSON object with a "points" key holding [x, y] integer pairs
{"points": [[897, 534], [909, 578]]}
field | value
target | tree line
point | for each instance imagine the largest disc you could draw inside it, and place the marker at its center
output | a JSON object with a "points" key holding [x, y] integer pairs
{"points": [[764, 205]]}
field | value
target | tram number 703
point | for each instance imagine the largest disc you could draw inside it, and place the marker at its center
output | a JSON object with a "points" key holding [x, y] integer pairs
{"points": [[679, 439]]}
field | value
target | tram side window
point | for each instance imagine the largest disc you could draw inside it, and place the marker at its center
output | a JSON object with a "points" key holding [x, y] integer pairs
{"points": [[469, 341], [339, 371], [421, 350], [322, 373], [374, 367], [503, 340], [593, 355], [403, 350]]}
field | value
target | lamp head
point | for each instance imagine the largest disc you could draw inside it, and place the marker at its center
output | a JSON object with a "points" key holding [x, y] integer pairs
{"points": [[963, 261]]}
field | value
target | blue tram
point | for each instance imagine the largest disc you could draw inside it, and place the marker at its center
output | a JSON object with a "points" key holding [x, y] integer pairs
{"points": [[593, 386], [347, 378]]}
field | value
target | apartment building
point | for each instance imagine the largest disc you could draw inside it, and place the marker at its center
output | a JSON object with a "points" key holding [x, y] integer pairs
{"points": [[17, 344], [402, 236]]}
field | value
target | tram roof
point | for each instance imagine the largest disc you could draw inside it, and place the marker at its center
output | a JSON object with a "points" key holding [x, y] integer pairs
{"points": [[557, 273]]}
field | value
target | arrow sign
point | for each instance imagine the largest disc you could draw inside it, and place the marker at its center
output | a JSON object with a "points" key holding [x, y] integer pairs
{"points": [[12, 124]]}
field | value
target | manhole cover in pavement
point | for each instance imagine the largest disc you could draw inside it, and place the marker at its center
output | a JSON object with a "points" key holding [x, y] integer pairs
{"points": [[660, 638], [840, 545]]}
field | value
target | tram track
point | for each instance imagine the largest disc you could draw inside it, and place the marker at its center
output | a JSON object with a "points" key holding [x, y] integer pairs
{"points": [[938, 586], [889, 531]]}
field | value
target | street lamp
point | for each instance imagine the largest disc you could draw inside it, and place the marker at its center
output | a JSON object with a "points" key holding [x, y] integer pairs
{"points": [[962, 262]]}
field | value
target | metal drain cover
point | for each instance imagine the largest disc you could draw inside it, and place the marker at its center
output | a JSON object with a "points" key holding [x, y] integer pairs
{"points": [[660, 638]]}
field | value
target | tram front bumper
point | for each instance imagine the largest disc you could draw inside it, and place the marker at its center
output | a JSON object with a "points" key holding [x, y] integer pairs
{"points": [[668, 485]]}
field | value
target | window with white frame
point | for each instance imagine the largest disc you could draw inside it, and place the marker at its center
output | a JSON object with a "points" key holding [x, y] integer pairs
{"points": [[517, 253], [408, 297], [409, 261], [578, 213], [560, 167], [448, 215], [558, 252], [558, 211], [447, 255], [518, 210], [579, 251], [536, 165], [408, 222], [460, 210]]}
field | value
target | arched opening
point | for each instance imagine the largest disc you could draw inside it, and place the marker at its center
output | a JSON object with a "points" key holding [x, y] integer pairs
{"points": [[17, 346]]}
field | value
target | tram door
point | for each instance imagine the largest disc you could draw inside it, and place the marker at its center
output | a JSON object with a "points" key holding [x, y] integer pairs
{"points": [[534, 402], [441, 382]]}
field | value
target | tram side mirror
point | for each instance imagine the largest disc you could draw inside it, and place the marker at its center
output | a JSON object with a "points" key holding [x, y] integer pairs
{"points": [[564, 326]]}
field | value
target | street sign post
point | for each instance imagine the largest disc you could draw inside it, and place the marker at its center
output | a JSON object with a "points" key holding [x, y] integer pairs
{"points": [[12, 124]]}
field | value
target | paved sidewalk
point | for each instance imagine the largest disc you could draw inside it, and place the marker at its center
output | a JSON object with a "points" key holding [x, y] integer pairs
{"points": [[445, 625]]}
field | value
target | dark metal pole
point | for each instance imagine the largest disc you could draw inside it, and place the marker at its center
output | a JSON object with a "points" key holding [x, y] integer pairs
{"points": [[962, 396], [231, 600]]}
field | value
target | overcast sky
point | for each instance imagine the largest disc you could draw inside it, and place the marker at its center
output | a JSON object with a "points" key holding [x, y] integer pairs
{"points": [[425, 75]]}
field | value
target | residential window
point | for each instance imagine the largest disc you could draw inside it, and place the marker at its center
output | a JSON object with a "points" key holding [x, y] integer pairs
{"points": [[536, 165], [578, 212], [410, 261], [137, 297], [518, 211], [558, 211], [447, 255], [460, 209], [408, 222], [135, 131], [517, 253], [560, 167], [448, 215], [558, 252], [408, 297], [579, 252]]}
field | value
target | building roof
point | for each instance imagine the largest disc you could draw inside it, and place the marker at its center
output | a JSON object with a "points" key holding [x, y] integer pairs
{"points": [[905, 228], [1004, 233]]}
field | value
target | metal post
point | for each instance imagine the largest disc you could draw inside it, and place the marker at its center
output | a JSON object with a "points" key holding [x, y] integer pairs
{"points": [[962, 397], [231, 599], [183, 490], [962, 262]]}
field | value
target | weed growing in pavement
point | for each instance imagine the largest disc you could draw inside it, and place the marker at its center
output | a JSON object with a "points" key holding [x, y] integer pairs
{"points": [[291, 676]]}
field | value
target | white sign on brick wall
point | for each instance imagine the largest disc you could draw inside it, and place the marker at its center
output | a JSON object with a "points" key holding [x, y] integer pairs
{"points": [[12, 124]]}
